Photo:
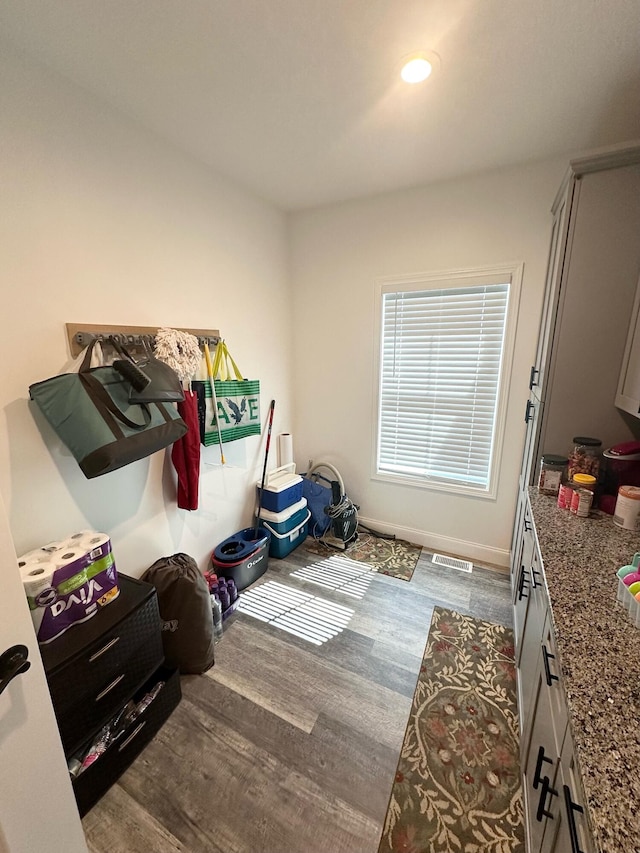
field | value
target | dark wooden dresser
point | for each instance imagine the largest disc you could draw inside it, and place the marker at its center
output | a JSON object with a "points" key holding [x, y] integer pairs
{"points": [[95, 669]]}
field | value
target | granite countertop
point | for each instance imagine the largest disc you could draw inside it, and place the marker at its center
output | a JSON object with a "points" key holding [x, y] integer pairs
{"points": [[599, 656]]}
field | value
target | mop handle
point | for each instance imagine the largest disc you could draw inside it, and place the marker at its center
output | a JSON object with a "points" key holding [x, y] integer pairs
{"points": [[214, 399], [264, 469]]}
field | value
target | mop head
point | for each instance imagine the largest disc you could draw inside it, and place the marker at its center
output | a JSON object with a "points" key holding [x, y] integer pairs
{"points": [[180, 350]]}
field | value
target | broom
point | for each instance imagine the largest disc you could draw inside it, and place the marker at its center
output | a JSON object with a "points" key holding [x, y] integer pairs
{"points": [[264, 469]]}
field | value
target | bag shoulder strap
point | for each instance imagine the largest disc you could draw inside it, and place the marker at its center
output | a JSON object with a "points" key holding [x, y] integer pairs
{"points": [[101, 399], [221, 362]]}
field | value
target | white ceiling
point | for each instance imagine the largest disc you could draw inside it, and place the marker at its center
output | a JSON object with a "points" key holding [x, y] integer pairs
{"points": [[300, 100]]}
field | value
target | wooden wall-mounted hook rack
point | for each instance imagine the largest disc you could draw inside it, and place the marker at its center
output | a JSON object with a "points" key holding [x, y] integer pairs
{"points": [[80, 335]]}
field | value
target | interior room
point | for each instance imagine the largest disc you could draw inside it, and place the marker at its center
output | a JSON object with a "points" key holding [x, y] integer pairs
{"points": [[263, 175]]}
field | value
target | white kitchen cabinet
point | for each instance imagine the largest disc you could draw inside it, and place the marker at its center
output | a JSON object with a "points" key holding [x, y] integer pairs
{"points": [[592, 272], [628, 396], [555, 818]]}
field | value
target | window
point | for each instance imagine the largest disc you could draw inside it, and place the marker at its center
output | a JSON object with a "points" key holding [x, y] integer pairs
{"points": [[446, 346]]}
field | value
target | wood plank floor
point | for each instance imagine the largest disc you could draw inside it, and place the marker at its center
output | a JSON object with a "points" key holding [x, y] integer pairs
{"points": [[285, 746]]}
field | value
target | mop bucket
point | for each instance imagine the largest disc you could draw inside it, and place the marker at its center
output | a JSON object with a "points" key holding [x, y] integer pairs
{"points": [[242, 557]]}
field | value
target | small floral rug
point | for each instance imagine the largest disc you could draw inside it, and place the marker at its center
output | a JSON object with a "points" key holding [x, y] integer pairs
{"points": [[457, 787], [393, 557]]}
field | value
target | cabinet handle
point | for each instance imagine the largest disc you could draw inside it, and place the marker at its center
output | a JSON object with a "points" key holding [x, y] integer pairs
{"points": [[532, 377], [571, 808], [523, 580], [546, 657], [537, 778], [104, 649], [528, 415], [527, 525], [546, 789], [132, 735], [13, 661], [110, 687]]}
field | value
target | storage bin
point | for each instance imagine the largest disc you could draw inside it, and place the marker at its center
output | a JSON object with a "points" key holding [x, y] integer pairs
{"points": [[284, 543], [287, 519], [282, 488], [92, 783]]}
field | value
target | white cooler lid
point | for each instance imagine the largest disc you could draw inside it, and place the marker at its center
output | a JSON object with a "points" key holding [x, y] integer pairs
{"points": [[284, 514], [280, 479]]}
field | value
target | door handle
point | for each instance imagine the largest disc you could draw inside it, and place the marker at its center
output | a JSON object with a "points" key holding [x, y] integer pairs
{"points": [[13, 662], [523, 581], [546, 657], [543, 812], [571, 808], [537, 774]]}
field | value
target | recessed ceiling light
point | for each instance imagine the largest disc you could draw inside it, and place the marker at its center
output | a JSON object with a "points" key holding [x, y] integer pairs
{"points": [[416, 69]]}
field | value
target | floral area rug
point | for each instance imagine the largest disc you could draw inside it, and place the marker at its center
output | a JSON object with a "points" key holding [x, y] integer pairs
{"points": [[457, 787], [393, 557]]}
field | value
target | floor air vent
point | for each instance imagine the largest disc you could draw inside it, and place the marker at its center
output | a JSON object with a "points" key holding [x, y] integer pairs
{"points": [[452, 563]]}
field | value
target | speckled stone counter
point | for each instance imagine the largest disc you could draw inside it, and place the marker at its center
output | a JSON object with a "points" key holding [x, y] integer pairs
{"points": [[599, 656]]}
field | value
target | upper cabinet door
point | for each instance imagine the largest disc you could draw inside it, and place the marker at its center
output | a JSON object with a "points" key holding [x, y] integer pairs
{"points": [[557, 250], [628, 394]]}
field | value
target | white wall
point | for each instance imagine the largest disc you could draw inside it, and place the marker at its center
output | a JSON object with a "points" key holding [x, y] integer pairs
{"points": [[101, 222], [337, 253]]}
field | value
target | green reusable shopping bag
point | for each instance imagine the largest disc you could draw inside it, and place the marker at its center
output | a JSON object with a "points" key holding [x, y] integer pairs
{"points": [[237, 399]]}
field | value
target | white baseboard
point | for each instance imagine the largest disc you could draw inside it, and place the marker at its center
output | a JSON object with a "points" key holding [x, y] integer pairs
{"points": [[434, 542]]}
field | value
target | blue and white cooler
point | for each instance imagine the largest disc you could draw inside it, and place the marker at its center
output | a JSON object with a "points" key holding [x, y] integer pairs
{"points": [[288, 528], [283, 510]]}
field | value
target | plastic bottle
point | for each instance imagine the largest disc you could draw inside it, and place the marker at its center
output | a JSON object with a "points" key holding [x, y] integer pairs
{"points": [[233, 590], [223, 594], [216, 608]]}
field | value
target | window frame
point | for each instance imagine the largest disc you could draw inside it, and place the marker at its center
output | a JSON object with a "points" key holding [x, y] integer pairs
{"points": [[443, 280]]}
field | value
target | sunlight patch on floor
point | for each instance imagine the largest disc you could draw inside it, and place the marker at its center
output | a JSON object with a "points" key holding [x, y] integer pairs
{"points": [[338, 573], [314, 619]]}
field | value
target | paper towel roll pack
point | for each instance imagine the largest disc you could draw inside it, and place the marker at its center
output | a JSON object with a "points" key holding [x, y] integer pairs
{"points": [[68, 581]]}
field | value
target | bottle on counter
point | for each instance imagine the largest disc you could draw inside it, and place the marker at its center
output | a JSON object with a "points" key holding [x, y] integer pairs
{"points": [[583, 486], [552, 471], [627, 509], [585, 457]]}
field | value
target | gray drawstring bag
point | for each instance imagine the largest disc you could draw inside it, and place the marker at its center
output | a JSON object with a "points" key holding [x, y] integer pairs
{"points": [[185, 613]]}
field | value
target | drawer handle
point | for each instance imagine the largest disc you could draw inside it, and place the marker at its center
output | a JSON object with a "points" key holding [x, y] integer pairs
{"points": [[537, 778], [535, 582], [109, 688], [546, 789], [527, 525], [546, 657], [528, 415], [136, 731], [104, 649], [523, 580], [571, 808]]}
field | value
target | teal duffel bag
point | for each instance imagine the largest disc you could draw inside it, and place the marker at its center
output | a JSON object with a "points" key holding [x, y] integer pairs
{"points": [[90, 412]]}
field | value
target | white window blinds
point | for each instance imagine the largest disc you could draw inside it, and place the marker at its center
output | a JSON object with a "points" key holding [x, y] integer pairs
{"points": [[440, 371]]}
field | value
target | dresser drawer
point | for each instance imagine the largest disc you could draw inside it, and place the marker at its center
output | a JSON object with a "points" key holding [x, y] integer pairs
{"points": [[96, 779], [98, 663], [82, 712]]}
